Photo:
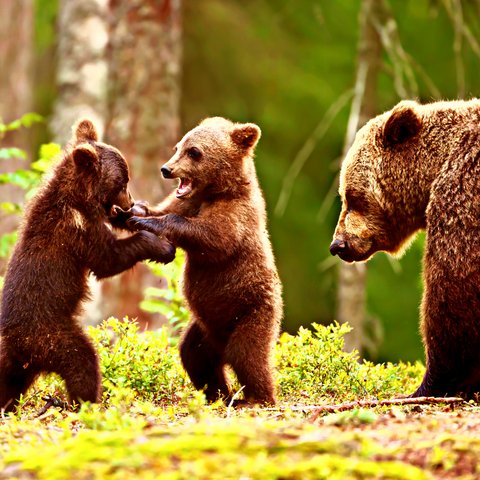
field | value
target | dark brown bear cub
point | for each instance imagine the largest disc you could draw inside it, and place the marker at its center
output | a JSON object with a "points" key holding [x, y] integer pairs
{"points": [[217, 215], [417, 167], [65, 236]]}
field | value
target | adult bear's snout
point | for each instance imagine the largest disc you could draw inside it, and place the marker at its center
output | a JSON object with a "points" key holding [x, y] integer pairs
{"points": [[338, 246]]}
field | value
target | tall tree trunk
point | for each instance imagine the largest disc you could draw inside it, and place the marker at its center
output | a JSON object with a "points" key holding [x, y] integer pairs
{"points": [[352, 277], [81, 78], [81, 66], [144, 56], [16, 48]]}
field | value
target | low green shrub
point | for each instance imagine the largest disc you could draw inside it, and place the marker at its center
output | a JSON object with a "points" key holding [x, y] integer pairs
{"points": [[144, 362], [312, 365]]}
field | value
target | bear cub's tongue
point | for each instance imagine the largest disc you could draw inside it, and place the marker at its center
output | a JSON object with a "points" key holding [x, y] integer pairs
{"points": [[184, 187]]}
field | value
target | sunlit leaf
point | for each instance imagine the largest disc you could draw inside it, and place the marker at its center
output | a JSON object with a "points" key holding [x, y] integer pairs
{"points": [[12, 153]]}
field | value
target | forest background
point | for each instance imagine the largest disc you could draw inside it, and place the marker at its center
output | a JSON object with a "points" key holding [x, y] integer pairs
{"points": [[147, 71]]}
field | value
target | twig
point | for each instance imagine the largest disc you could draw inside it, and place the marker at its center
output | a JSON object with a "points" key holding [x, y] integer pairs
{"points": [[428, 81], [307, 149], [474, 45], [328, 200], [375, 403], [51, 402], [232, 400], [354, 117]]}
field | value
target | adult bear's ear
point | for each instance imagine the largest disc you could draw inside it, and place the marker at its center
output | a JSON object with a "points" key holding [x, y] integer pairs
{"points": [[404, 123], [85, 130], [246, 135], [86, 158]]}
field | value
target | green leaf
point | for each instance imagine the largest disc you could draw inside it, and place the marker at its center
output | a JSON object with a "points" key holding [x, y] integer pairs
{"points": [[25, 121], [12, 153], [11, 208], [7, 241], [48, 151], [25, 179]]}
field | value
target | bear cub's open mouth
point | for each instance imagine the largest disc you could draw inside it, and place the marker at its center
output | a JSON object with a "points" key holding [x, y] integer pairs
{"points": [[184, 188]]}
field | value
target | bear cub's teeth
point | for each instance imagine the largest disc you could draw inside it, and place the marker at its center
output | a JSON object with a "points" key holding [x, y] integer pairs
{"points": [[184, 188]]}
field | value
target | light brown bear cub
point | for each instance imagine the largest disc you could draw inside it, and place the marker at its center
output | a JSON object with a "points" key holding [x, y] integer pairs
{"points": [[418, 167], [217, 215]]}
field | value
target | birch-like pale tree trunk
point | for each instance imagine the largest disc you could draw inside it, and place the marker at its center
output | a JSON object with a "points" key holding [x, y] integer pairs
{"points": [[351, 295], [144, 56], [81, 66], [81, 77]]}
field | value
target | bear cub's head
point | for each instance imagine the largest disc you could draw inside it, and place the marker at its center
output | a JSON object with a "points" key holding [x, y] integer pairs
{"points": [[102, 169], [379, 188], [213, 158]]}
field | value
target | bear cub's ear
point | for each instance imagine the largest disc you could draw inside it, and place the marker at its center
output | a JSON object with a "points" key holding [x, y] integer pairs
{"points": [[403, 124], [85, 157], [246, 135], [85, 130]]}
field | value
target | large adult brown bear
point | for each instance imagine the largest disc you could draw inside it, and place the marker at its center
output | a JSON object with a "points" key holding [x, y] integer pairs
{"points": [[65, 236], [418, 167], [217, 215]]}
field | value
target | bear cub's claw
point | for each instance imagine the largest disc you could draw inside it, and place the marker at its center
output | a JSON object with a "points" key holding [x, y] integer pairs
{"points": [[149, 224]]}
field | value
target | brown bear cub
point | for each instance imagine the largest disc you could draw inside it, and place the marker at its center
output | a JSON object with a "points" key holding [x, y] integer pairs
{"points": [[65, 236], [418, 167], [217, 215]]}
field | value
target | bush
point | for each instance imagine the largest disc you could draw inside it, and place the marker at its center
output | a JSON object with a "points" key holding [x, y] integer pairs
{"points": [[144, 362], [313, 365]]}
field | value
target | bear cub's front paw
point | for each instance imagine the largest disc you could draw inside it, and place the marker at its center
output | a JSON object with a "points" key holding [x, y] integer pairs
{"points": [[157, 249], [119, 217], [150, 224]]}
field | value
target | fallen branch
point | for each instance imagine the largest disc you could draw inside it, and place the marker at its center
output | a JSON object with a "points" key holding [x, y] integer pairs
{"points": [[376, 403]]}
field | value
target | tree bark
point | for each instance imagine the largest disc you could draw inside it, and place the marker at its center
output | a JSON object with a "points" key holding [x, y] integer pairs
{"points": [[351, 296], [81, 79], [82, 66], [144, 55], [16, 53]]}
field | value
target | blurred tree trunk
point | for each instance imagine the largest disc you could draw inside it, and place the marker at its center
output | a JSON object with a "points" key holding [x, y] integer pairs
{"points": [[16, 52], [352, 277], [81, 66], [144, 56], [81, 81]]}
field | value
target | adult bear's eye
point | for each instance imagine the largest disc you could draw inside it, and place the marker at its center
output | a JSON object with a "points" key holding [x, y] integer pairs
{"points": [[194, 153], [354, 204]]}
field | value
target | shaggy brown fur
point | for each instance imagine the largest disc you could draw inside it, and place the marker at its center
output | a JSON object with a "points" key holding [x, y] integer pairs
{"points": [[217, 215], [418, 167], [64, 237]]}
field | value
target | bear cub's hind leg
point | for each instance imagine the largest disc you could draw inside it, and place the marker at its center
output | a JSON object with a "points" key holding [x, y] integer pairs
{"points": [[14, 381], [203, 363]]}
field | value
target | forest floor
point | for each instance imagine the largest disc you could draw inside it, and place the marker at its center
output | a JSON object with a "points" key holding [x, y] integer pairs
{"points": [[151, 423], [200, 441]]}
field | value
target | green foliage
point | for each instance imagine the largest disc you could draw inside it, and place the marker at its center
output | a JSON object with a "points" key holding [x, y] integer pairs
{"points": [[311, 368], [143, 362], [6, 153], [168, 301], [26, 179], [26, 120], [313, 365], [7, 241]]}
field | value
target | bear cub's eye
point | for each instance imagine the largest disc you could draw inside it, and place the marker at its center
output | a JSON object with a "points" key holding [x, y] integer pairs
{"points": [[194, 153]]}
